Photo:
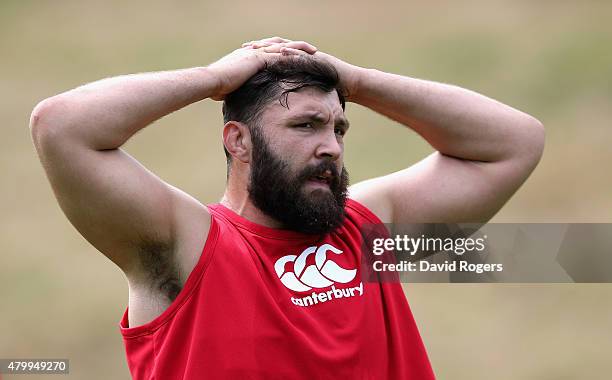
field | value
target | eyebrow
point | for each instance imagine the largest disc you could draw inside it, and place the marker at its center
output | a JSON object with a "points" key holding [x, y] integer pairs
{"points": [[317, 117]]}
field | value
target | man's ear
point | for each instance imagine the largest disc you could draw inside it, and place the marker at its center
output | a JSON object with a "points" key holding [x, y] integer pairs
{"points": [[237, 140]]}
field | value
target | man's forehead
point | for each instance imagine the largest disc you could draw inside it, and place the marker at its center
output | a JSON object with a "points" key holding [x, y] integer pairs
{"points": [[312, 103]]}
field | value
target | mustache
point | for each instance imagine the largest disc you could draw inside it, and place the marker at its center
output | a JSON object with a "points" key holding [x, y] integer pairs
{"points": [[320, 169]]}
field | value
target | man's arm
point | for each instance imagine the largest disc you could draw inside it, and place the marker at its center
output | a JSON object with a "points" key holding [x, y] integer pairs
{"points": [[114, 202], [485, 150]]}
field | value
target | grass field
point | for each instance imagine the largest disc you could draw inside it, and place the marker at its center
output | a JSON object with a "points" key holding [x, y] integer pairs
{"points": [[62, 299]]}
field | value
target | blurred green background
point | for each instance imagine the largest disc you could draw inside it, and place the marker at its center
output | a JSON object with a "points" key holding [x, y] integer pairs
{"points": [[60, 298]]}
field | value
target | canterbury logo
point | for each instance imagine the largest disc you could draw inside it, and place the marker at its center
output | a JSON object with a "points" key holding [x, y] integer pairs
{"points": [[322, 274]]}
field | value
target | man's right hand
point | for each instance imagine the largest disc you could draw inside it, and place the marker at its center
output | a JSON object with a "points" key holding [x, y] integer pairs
{"points": [[237, 67]]}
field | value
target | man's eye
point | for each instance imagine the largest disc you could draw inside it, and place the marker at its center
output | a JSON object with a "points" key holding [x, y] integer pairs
{"points": [[339, 131], [304, 125]]}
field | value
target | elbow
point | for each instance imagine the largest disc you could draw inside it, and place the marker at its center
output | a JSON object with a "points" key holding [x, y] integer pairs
{"points": [[530, 147], [45, 119], [537, 138]]}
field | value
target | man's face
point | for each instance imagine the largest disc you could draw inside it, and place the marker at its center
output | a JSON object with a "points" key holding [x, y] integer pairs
{"points": [[297, 171]]}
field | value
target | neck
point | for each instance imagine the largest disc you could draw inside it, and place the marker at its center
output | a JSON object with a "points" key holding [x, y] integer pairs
{"points": [[236, 198]]}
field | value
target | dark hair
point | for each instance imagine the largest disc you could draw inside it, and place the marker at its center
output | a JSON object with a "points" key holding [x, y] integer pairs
{"points": [[276, 81]]}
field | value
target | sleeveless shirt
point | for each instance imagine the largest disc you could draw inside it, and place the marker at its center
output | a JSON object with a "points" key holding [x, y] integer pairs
{"points": [[264, 303]]}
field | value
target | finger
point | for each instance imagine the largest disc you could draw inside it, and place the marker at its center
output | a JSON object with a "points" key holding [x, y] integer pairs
{"points": [[260, 44], [275, 39], [270, 56], [272, 48], [266, 41], [250, 42], [257, 44], [301, 45], [276, 47], [291, 51]]}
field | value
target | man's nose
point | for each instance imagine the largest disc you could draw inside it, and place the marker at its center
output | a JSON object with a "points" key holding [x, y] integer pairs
{"points": [[329, 147]]}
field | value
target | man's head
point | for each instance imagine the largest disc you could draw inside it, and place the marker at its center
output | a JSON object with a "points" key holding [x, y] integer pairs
{"points": [[284, 130]]}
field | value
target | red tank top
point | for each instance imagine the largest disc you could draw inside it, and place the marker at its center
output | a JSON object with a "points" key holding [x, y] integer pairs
{"points": [[263, 303]]}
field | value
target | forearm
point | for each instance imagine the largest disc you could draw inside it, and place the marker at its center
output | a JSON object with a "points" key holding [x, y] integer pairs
{"points": [[455, 121], [106, 113]]}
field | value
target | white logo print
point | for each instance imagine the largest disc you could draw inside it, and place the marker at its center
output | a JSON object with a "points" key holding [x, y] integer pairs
{"points": [[322, 274]]}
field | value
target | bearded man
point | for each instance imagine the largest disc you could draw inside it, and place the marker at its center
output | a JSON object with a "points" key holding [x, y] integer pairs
{"points": [[266, 284]]}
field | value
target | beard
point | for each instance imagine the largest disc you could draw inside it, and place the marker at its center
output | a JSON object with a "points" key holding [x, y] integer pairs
{"points": [[282, 195]]}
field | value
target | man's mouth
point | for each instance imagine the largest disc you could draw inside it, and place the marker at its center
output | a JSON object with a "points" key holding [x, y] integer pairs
{"points": [[323, 178]]}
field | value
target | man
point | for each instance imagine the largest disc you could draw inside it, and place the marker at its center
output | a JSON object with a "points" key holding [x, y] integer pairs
{"points": [[266, 283]]}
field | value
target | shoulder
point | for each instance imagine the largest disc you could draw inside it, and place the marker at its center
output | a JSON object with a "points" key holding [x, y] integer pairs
{"points": [[372, 196], [357, 209]]}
